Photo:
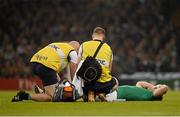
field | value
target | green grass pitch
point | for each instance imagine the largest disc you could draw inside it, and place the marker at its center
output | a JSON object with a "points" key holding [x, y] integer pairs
{"points": [[169, 106]]}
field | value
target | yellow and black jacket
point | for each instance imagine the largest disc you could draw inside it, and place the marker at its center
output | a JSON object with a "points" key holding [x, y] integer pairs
{"points": [[104, 56], [54, 56]]}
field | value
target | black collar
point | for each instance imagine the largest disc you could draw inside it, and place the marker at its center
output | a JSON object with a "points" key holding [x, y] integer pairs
{"points": [[97, 40]]}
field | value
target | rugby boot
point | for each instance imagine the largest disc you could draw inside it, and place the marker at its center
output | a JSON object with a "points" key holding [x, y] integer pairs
{"points": [[20, 96]]}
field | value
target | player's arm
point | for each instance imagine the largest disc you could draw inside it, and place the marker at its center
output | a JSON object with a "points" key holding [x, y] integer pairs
{"points": [[145, 85], [73, 63], [79, 55]]}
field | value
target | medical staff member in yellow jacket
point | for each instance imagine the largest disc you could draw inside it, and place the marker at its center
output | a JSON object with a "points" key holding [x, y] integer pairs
{"points": [[105, 57], [46, 64]]}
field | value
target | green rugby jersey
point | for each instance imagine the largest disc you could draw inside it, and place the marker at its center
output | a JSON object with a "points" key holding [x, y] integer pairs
{"points": [[131, 93]]}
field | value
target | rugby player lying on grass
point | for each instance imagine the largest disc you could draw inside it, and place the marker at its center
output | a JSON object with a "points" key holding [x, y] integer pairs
{"points": [[143, 91]]}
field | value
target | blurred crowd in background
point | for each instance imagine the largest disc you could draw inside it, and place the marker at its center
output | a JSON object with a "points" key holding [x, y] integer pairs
{"points": [[141, 36]]}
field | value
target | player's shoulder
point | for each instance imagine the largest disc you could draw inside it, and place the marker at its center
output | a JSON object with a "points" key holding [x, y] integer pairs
{"points": [[65, 44], [107, 45], [94, 41], [60, 43]]}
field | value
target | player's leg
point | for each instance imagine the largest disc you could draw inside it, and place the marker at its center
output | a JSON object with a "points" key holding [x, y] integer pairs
{"points": [[40, 97], [22, 95], [49, 80], [47, 96]]}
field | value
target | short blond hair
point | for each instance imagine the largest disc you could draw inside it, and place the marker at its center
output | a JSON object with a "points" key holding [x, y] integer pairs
{"points": [[99, 30]]}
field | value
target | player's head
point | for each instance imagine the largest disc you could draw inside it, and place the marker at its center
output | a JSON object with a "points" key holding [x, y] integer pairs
{"points": [[75, 45], [162, 87], [98, 34], [159, 91]]}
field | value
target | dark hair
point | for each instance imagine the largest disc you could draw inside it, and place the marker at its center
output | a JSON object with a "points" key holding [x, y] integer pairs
{"points": [[157, 98]]}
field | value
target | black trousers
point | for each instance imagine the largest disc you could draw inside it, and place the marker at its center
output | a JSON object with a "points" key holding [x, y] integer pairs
{"points": [[98, 87], [47, 75]]}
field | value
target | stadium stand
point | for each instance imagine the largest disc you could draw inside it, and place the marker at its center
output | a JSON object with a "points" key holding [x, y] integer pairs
{"points": [[142, 36]]}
